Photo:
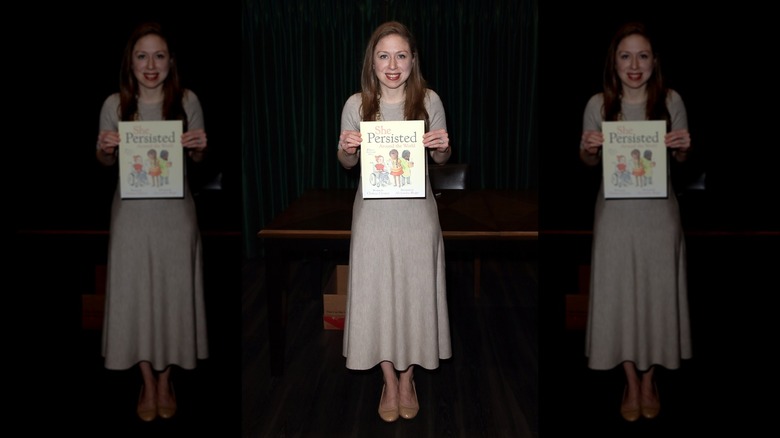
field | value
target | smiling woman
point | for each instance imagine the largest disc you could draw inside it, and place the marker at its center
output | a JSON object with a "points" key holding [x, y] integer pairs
{"points": [[392, 65], [638, 312], [634, 65], [151, 62], [154, 315], [397, 299]]}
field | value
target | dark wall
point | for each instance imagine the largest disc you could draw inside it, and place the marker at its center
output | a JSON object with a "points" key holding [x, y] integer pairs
{"points": [[60, 65], [710, 56], [303, 61], [719, 62], [716, 59], [66, 74]]}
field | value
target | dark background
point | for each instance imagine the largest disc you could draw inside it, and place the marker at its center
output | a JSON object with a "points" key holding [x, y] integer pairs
{"points": [[62, 65], [303, 59], [714, 58], [66, 62], [67, 77], [711, 57]]}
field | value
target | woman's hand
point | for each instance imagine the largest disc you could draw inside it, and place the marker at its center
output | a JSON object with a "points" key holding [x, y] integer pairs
{"points": [[349, 142], [679, 139], [108, 141], [194, 140], [591, 142], [438, 140], [679, 142]]}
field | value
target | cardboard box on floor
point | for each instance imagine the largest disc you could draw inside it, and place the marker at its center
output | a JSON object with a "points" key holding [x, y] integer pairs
{"points": [[92, 304], [334, 299], [577, 304]]}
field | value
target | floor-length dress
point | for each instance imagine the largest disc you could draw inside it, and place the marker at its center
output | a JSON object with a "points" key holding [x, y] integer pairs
{"points": [[397, 302], [154, 298], [638, 308]]}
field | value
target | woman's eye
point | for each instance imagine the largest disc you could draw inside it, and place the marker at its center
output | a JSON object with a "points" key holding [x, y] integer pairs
{"points": [[383, 56], [401, 56], [141, 56]]}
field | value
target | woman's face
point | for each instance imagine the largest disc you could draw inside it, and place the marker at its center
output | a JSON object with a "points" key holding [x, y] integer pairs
{"points": [[392, 61], [634, 61], [151, 62]]}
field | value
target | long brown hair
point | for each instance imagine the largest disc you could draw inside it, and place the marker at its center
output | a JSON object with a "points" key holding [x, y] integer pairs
{"points": [[415, 87], [655, 108], [172, 108]]}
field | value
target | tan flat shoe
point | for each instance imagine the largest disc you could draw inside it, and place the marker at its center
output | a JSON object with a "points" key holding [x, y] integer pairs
{"points": [[629, 414], [167, 410], [390, 414], [145, 413], [410, 412], [651, 410]]}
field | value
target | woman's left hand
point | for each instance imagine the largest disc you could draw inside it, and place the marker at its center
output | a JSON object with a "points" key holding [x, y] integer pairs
{"points": [[679, 140], [438, 139], [194, 140]]}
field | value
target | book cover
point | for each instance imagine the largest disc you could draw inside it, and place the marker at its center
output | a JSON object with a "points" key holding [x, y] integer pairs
{"points": [[634, 159], [151, 159], [392, 159]]}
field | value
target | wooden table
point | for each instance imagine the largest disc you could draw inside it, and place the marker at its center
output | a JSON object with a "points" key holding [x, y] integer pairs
{"points": [[320, 219]]}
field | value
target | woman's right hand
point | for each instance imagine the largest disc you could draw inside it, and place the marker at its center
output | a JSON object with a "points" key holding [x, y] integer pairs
{"points": [[349, 141], [108, 141], [591, 142]]}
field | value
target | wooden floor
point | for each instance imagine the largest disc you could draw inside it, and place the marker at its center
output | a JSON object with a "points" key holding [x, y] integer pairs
{"points": [[489, 387], [714, 393], [56, 383], [515, 370]]}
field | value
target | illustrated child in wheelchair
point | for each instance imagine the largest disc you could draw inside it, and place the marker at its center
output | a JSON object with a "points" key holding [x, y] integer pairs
{"points": [[380, 176]]}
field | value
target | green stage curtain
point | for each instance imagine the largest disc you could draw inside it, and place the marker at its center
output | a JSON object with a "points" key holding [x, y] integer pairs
{"points": [[302, 60]]}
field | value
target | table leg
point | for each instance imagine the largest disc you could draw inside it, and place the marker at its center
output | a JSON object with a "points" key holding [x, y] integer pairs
{"points": [[477, 274], [277, 275]]}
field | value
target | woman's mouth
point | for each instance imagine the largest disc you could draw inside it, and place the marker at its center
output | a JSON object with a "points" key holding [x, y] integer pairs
{"points": [[635, 76], [151, 76], [393, 76]]}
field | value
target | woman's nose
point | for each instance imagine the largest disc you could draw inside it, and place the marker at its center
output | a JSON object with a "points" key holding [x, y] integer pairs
{"points": [[393, 63], [634, 62]]}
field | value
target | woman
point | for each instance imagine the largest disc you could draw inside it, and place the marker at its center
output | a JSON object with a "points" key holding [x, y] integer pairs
{"points": [[397, 305], [638, 314], [154, 314]]}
